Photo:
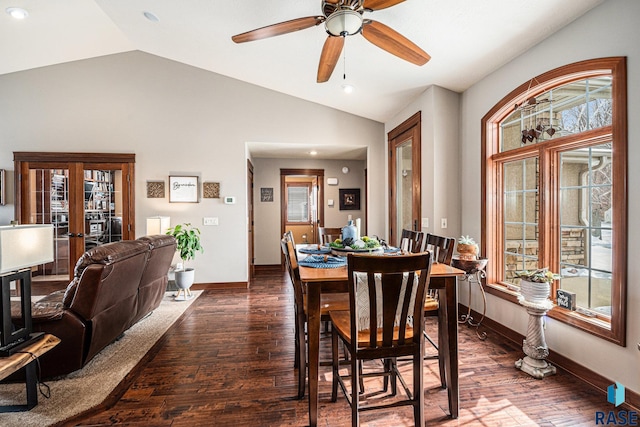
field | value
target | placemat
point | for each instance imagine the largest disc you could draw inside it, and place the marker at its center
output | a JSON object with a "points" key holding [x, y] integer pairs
{"points": [[314, 250], [320, 261]]}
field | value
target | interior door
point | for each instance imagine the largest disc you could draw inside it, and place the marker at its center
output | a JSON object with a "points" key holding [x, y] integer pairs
{"points": [[404, 178], [89, 203], [312, 179]]}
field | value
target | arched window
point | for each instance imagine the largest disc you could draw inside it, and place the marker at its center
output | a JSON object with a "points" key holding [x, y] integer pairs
{"points": [[554, 184]]}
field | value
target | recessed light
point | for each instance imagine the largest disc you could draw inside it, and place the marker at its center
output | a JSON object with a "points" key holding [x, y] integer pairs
{"points": [[17, 12], [150, 16], [347, 88], [313, 152]]}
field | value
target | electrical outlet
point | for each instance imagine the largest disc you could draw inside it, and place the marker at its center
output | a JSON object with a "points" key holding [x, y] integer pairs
{"points": [[425, 222], [210, 221], [443, 223]]}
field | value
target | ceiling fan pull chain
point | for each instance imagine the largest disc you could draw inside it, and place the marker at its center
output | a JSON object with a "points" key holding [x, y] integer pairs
{"points": [[344, 60]]}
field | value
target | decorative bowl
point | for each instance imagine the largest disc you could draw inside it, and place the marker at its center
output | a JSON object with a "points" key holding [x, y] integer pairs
{"points": [[469, 266]]}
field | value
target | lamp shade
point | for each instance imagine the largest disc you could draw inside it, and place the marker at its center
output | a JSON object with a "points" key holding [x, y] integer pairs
{"points": [[343, 22], [158, 225], [23, 246]]}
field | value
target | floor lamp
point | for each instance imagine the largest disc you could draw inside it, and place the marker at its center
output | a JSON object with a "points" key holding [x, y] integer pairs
{"points": [[21, 247]]}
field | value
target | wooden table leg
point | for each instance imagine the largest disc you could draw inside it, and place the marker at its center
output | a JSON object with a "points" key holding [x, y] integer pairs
{"points": [[449, 294], [313, 326]]}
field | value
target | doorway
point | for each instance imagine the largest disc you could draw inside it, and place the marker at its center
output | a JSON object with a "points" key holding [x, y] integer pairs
{"points": [[302, 197], [87, 197], [404, 178]]}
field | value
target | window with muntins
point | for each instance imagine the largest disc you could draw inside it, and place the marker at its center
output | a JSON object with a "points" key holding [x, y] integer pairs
{"points": [[554, 182]]}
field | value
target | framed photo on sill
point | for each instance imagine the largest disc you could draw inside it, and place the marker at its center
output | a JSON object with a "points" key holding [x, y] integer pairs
{"points": [[183, 189], [349, 199]]}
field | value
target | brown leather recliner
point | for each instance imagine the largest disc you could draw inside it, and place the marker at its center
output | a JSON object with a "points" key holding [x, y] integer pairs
{"points": [[114, 286]]}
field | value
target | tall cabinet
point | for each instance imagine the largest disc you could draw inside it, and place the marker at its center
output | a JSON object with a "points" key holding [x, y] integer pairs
{"points": [[88, 197]]}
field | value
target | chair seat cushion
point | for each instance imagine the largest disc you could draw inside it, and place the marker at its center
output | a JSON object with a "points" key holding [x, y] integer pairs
{"points": [[342, 324], [431, 304]]}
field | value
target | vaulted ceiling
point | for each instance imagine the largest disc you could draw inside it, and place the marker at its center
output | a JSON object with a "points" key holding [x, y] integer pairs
{"points": [[466, 40]]}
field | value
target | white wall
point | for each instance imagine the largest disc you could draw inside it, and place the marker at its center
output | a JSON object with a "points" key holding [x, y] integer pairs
{"points": [[267, 214], [440, 175], [176, 119], [609, 30]]}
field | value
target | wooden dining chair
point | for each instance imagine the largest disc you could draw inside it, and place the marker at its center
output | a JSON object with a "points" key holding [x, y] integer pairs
{"points": [[328, 302], [442, 252], [327, 235], [412, 241], [385, 321]]}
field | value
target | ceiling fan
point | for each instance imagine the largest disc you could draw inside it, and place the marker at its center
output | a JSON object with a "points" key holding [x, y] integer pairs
{"points": [[343, 18]]}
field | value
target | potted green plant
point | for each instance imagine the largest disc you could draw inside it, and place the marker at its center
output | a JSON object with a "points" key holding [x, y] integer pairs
{"points": [[187, 244], [535, 285]]}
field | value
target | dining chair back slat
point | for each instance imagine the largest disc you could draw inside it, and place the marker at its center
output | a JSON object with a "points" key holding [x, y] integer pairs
{"points": [[412, 241], [327, 235]]}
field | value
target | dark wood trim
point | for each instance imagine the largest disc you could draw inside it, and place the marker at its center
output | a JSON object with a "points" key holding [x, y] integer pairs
{"points": [[409, 129], [590, 377], [269, 268], [39, 156], [220, 285], [251, 207]]}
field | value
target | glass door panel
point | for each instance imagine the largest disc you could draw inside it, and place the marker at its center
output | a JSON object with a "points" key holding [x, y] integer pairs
{"points": [[49, 204], [404, 186], [102, 190]]}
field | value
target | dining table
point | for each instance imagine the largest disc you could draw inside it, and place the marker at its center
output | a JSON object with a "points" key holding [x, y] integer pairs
{"points": [[444, 279]]}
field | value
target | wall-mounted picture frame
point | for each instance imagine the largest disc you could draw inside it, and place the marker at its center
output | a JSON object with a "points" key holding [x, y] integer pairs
{"points": [[210, 190], [266, 194], [3, 196], [155, 189], [349, 199], [183, 189]]}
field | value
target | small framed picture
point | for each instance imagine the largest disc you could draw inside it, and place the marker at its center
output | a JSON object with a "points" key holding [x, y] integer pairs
{"points": [[349, 199], [183, 189], [155, 189], [211, 190], [266, 194]]}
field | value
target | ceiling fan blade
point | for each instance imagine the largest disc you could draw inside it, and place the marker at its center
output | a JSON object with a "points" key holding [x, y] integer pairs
{"points": [[329, 57], [380, 4], [393, 42], [278, 29]]}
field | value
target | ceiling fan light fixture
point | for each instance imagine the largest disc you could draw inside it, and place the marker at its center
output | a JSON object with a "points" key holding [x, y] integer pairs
{"points": [[343, 22], [347, 88], [17, 12]]}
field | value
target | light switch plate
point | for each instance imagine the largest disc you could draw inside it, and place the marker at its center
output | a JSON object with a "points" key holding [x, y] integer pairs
{"points": [[332, 181]]}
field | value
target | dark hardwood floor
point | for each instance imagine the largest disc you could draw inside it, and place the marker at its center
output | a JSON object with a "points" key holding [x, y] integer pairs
{"points": [[229, 362]]}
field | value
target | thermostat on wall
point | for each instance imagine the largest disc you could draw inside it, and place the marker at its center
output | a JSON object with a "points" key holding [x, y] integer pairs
{"points": [[229, 200]]}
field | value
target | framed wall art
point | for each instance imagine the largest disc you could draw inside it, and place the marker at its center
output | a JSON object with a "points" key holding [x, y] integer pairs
{"points": [[349, 199], [266, 194], [211, 190], [183, 189], [155, 189]]}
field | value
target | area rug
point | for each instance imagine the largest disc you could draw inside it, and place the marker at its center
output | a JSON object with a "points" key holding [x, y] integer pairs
{"points": [[91, 385]]}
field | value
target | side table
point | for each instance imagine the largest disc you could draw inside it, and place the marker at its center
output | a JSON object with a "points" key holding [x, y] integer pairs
{"points": [[24, 359], [474, 270]]}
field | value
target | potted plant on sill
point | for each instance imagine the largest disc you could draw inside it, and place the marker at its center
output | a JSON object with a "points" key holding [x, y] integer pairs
{"points": [[535, 285], [187, 244]]}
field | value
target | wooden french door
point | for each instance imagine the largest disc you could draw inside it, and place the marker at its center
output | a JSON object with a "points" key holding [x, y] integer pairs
{"points": [[404, 178], [89, 199]]}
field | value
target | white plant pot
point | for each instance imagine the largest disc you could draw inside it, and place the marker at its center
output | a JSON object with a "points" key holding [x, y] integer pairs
{"points": [[534, 292], [185, 278]]}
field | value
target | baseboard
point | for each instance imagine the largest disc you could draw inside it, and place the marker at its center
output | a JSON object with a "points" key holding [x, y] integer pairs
{"points": [[220, 285], [632, 399], [268, 268]]}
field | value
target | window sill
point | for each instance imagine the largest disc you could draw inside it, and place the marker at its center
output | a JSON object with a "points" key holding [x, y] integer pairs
{"points": [[592, 325]]}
